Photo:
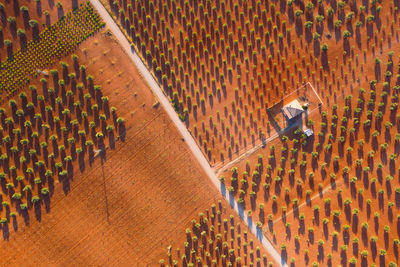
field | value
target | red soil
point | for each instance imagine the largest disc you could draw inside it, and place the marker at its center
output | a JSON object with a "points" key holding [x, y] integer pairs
{"points": [[224, 94], [129, 207], [214, 239], [36, 11], [290, 182], [177, 34]]}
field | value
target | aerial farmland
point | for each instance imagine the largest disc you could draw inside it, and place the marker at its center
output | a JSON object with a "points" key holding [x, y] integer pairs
{"points": [[199, 133]]}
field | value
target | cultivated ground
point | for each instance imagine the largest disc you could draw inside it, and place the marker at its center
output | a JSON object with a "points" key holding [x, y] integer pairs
{"points": [[334, 195], [132, 203], [323, 201]]}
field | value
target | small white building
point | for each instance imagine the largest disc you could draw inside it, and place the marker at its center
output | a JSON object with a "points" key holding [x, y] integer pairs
{"points": [[308, 132], [292, 110]]}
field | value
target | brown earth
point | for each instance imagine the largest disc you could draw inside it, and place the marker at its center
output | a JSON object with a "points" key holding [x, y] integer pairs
{"points": [[128, 207], [337, 76], [319, 165], [223, 63], [214, 239], [36, 11], [223, 93]]}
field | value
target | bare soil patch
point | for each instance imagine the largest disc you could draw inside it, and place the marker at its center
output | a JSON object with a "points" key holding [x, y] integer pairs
{"points": [[130, 204]]}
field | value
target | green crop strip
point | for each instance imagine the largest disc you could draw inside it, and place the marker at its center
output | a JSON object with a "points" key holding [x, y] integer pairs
{"points": [[49, 47]]}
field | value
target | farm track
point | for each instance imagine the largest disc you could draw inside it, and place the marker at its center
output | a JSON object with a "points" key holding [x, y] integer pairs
{"points": [[181, 127], [253, 150], [246, 154], [328, 187]]}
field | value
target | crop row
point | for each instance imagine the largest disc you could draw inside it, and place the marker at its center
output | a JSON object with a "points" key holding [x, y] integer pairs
{"points": [[224, 62], [349, 168], [48, 47], [18, 22], [216, 240], [41, 135]]}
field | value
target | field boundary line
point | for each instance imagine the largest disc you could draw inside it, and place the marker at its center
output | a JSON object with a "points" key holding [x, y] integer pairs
{"points": [[220, 167], [134, 49], [257, 147], [315, 92], [288, 95], [124, 43], [245, 154]]}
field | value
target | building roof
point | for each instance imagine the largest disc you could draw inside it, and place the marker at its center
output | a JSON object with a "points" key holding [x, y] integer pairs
{"points": [[292, 109], [308, 132]]}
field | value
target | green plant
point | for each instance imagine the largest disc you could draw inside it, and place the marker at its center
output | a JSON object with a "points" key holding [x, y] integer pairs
{"points": [[35, 199], [14, 76]]}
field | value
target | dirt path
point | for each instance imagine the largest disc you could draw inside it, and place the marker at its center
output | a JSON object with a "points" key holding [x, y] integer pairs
{"points": [[245, 155], [183, 130], [253, 150]]}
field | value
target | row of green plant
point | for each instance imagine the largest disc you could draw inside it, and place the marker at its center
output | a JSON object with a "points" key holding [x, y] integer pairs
{"points": [[215, 239], [42, 135], [198, 51], [48, 47]]}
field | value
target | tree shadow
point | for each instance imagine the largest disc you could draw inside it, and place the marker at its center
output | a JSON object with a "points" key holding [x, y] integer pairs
{"points": [[51, 3], [66, 185], [38, 211], [343, 256], [6, 231], [3, 21], [15, 224]]}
